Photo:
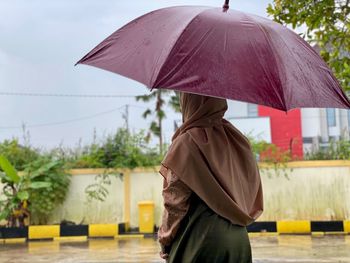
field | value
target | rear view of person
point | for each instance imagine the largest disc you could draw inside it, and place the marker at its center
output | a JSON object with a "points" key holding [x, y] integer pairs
{"points": [[212, 188]]}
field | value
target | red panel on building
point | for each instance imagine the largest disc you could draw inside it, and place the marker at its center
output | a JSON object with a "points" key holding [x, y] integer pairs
{"points": [[285, 129]]}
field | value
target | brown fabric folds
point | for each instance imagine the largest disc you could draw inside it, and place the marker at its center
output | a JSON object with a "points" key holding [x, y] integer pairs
{"points": [[215, 160]]}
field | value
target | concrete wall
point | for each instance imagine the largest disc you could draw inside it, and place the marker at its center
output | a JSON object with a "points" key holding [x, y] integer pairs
{"points": [[76, 209], [313, 191], [310, 193]]}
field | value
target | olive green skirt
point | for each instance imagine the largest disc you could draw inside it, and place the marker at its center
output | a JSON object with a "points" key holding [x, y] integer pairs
{"points": [[206, 237]]}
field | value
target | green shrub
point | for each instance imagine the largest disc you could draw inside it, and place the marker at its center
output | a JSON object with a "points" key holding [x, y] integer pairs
{"points": [[121, 150], [337, 150], [17, 154], [272, 155], [17, 193], [43, 201]]}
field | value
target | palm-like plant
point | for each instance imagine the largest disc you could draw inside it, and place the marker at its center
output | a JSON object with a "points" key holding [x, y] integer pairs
{"points": [[158, 112]]}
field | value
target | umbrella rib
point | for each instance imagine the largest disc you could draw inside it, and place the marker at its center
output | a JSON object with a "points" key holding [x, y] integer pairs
{"points": [[156, 82], [282, 98], [186, 59]]}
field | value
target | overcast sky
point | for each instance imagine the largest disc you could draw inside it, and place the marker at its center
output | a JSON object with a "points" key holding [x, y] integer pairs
{"points": [[39, 43]]}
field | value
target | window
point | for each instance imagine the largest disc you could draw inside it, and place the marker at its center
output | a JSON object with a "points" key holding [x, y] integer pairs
{"points": [[331, 121], [252, 110]]}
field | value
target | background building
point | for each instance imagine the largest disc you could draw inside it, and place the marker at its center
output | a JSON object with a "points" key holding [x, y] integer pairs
{"points": [[299, 130]]}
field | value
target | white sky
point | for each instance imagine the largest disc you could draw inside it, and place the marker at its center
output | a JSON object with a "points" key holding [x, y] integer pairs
{"points": [[41, 40]]}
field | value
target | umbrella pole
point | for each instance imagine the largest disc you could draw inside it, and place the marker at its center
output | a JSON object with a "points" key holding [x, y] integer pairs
{"points": [[226, 6]]}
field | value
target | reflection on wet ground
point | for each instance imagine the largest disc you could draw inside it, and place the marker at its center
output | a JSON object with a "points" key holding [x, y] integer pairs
{"points": [[266, 249]]}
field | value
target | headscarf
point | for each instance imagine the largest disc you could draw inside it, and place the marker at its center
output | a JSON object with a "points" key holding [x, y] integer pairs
{"points": [[215, 160]]}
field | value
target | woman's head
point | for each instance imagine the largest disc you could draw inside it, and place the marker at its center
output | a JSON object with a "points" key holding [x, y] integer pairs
{"points": [[195, 107]]}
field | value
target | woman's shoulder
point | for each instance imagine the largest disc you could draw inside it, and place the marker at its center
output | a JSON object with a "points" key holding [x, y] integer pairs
{"points": [[182, 138], [191, 135], [188, 141]]}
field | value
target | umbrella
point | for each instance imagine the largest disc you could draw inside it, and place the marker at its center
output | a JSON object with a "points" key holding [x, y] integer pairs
{"points": [[220, 53]]}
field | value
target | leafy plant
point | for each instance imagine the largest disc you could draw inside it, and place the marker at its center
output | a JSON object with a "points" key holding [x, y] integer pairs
{"points": [[158, 113], [16, 193], [98, 191], [121, 150], [337, 150], [18, 155], [90, 156], [273, 156], [45, 199]]}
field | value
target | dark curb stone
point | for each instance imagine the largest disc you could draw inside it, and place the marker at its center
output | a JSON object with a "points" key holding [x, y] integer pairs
{"points": [[77, 230], [262, 227], [327, 226], [13, 232]]}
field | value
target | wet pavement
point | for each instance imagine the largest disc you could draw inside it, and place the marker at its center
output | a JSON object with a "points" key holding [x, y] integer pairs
{"points": [[266, 249]]}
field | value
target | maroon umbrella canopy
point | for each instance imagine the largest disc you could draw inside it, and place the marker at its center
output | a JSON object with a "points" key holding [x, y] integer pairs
{"points": [[231, 54]]}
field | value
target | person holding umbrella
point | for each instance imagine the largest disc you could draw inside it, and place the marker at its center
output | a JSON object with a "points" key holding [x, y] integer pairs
{"points": [[212, 187]]}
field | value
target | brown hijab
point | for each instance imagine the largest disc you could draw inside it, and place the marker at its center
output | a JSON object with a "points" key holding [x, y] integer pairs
{"points": [[215, 160]]}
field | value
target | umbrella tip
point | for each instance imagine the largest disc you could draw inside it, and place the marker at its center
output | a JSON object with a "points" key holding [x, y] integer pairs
{"points": [[226, 6]]}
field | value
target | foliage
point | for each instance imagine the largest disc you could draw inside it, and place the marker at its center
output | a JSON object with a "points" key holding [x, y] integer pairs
{"points": [[158, 114], [272, 155], [43, 201], [121, 150], [327, 24], [174, 102], [17, 191], [17, 154], [89, 156], [337, 150], [98, 191]]}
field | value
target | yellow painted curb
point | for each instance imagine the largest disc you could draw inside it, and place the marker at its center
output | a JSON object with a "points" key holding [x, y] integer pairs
{"points": [[103, 230], [293, 227], [41, 232], [71, 238], [346, 225], [14, 240], [2, 240]]}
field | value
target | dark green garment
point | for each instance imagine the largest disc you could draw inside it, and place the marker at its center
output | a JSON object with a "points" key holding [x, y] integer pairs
{"points": [[206, 237]]}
